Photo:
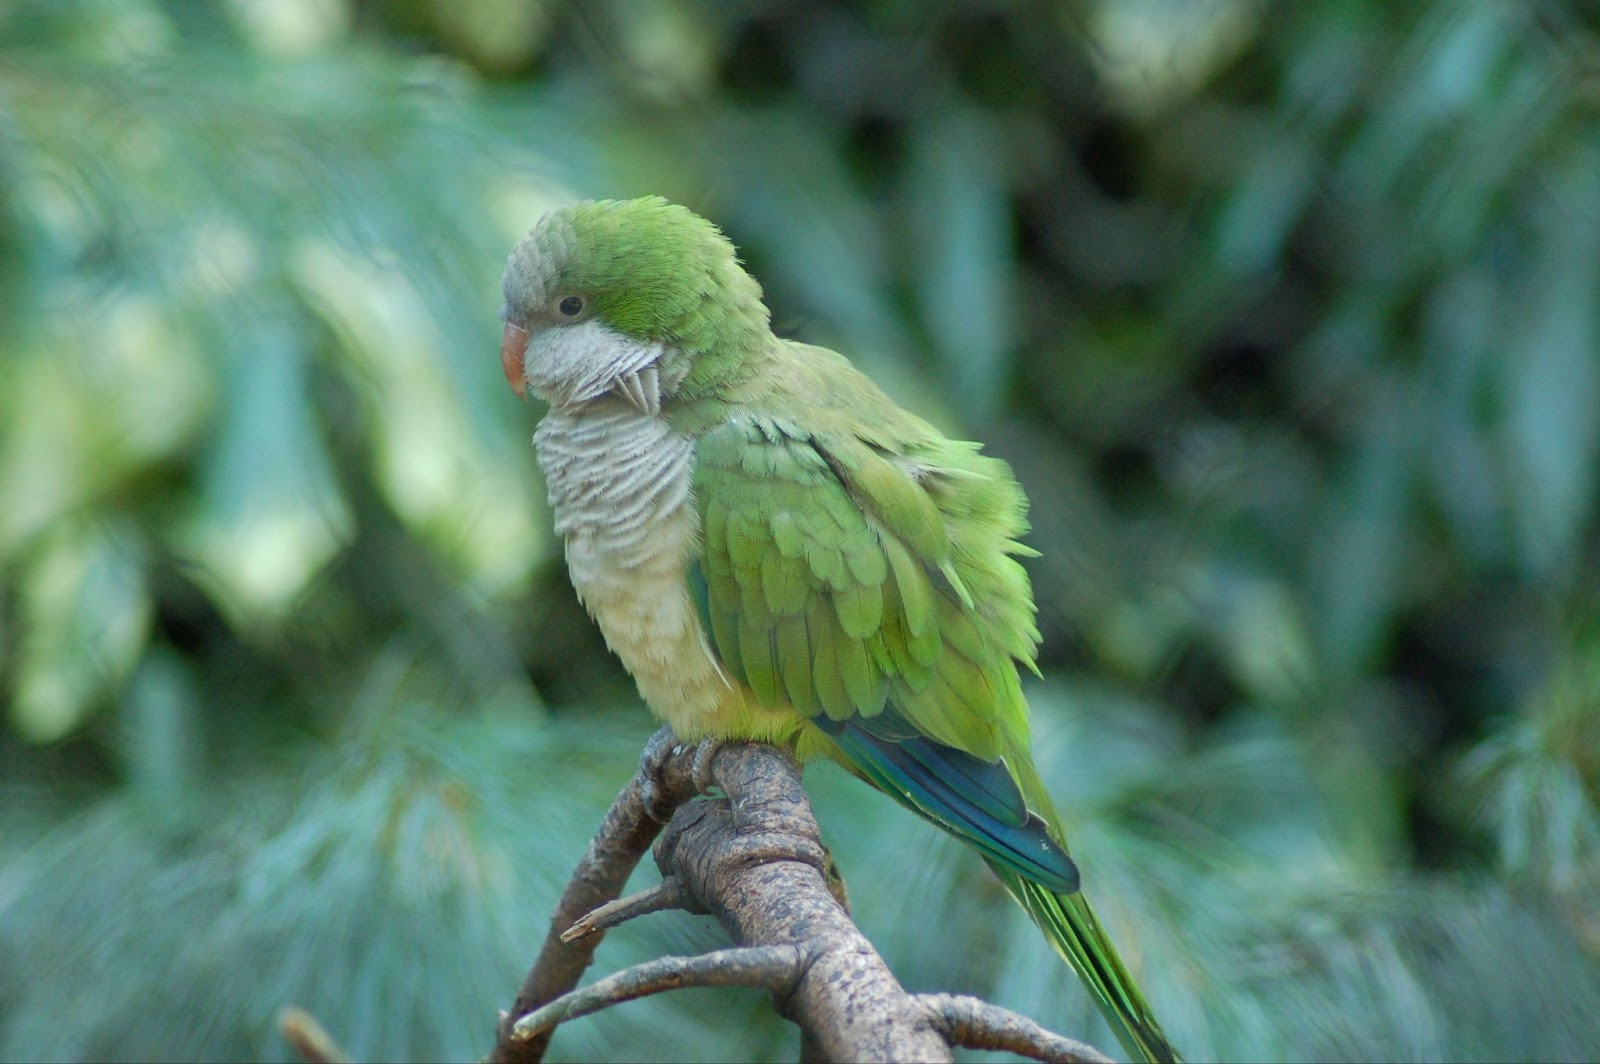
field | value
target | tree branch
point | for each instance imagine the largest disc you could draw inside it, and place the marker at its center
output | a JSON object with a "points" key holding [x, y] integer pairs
{"points": [[667, 894], [973, 1023], [773, 968], [309, 1038], [758, 864], [755, 861], [626, 832]]}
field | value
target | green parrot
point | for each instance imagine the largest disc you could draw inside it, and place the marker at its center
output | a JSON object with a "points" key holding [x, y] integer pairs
{"points": [[777, 552]]}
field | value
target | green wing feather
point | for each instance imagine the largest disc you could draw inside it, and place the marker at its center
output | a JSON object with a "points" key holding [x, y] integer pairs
{"points": [[861, 569]]}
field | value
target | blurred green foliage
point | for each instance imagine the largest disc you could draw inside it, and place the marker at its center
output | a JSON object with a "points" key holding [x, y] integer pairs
{"points": [[1285, 313]]}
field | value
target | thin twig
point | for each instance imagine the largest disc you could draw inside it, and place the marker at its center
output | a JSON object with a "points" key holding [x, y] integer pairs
{"points": [[308, 1037], [973, 1023], [630, 825], [667, 894], [773, 968]]}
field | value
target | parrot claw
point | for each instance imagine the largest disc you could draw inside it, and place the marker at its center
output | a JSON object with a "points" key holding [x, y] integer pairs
{"points": [[661, 800], [659, 804], [701, 768], [654, 807]]}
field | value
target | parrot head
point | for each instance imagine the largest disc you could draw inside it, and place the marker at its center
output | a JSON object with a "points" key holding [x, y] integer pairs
{"points": [[637, 298]]}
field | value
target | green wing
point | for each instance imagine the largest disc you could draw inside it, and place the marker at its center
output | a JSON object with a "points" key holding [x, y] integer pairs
{"points": [[866, 579], [850, 582]]}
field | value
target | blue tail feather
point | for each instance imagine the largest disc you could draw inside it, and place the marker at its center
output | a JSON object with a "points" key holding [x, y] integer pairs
{"points": [[965, 795]]}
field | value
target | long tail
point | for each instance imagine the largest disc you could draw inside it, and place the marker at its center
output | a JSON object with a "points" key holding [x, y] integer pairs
{"points": [[1075, 932], [982, 803]]}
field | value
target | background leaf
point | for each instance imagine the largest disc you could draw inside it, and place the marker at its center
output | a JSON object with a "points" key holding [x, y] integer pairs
{"points": [[1283, 313]]}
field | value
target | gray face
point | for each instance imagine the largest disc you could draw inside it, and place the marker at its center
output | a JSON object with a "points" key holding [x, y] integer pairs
{"points": [[554, 346], [533, 266]]}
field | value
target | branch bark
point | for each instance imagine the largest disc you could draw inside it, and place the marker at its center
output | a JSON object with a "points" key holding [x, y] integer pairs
{"points": [[758, 864], [973, 1023], [309, 1038], [630, 825], [756, 861]]}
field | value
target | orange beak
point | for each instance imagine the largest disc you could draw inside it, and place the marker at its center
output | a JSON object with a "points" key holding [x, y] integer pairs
{"points": [[513, 346]]}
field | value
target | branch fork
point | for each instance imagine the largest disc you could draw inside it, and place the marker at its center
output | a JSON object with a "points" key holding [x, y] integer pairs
{"points": [[756, 861]]}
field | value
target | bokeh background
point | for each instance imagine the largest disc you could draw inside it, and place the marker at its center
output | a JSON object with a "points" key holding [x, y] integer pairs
{"points": [[1287, 315]]}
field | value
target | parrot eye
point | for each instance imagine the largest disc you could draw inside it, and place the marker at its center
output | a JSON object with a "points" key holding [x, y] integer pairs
{"points": [[571, 306]]}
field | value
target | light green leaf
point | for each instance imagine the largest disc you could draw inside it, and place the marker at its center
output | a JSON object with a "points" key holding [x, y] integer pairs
{"points": [[84, 618], [962, 247], [1553, 372], [270, 514]]}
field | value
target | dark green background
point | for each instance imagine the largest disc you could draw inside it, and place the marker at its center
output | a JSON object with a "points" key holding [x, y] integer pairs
{"points": [[1288, 316]]}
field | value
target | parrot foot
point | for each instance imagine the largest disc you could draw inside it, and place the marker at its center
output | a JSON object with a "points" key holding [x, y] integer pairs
{"points": [[700, 769], [660, 799], [661, 785]]}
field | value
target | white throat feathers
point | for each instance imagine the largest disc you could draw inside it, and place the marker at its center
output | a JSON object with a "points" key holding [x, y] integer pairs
{"points": [[570, 365]]}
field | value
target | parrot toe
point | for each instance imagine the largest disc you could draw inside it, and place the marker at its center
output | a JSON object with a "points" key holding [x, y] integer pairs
{"points": [[701, 768], [660, 800]]}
